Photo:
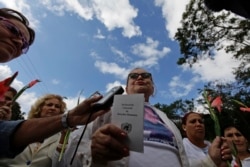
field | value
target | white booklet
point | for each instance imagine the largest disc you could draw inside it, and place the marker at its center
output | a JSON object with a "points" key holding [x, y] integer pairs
{"points": [[128, 114]]}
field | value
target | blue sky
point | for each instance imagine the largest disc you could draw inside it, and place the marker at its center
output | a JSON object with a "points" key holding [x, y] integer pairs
{"points": [[92, 45]]}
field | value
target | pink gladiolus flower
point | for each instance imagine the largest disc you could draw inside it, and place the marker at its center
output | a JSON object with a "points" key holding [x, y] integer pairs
{"points": [[217, 103], [244, 109], [32, 83], [5, 84]]}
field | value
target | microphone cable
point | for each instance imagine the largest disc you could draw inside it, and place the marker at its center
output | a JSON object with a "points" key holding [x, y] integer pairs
{"points": [[79, 141], [88, 120]]}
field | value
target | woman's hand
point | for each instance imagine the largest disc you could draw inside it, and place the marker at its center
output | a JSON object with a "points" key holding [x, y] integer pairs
{"points": [[220, 152], [107, 144], [5, 113]]}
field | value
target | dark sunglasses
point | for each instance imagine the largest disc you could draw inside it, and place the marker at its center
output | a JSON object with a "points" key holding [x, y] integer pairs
{"points": [[136, 75], [17, 32]]}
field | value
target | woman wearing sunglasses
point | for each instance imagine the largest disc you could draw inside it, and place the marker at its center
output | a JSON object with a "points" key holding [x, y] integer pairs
{"points": [[162, 140], [16, 35]]}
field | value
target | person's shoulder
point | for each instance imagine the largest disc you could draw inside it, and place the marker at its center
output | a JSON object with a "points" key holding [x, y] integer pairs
{"points": [[247, 159], [10, 124], [3, 122], [186, 142]]}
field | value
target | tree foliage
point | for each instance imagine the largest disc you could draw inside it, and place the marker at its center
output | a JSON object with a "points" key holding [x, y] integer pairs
{"points": [[231, 113], [203, 31], [16, 112], [176, 109]]}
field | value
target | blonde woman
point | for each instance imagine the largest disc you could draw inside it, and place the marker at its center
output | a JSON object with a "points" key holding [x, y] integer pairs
{"points": [[40, 153]]}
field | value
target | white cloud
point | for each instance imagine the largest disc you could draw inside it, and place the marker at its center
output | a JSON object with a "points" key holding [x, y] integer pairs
{"points": [[172, 12], [121, 55], [107, 11], [23, 7], [116, 83], [5, 72], [199, 107], [82, 8], [180, 88], [111, 68], [26, 100], [149, 52], [72, 101], [218, 69], [150, 62], [149, 49], [95, 55], [110, 14], [99, 35], [55, 81], [206, 70]]}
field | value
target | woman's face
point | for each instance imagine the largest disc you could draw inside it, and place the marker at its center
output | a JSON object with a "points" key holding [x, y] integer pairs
{"points": [[7, 98], [140, 84], [50, 108], [11, 44], [232, 134], [194, 127]]}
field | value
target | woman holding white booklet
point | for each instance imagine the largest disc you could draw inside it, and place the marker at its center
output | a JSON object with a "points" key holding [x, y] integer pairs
{"points": [[162, 140]]}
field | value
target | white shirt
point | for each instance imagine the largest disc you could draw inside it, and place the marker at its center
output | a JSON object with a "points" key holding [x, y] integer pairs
{"points": [[195, 153], [245, 162]]}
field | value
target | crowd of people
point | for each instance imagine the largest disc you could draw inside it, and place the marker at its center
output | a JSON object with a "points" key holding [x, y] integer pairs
{"points": [[40, 153], [103, 144], [38, 140]]}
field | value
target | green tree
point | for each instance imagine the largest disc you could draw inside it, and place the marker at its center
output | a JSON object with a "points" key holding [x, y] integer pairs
{"points": [[176, 109], [231, 113], [204, 31], [16, 112]]}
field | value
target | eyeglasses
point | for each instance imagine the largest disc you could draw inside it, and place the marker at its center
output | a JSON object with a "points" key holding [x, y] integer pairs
{"points": [[136, 75], [17, 32]]}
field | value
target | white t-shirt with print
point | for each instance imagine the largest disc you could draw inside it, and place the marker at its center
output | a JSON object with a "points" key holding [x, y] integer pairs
{"points": [[160, 148]]}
